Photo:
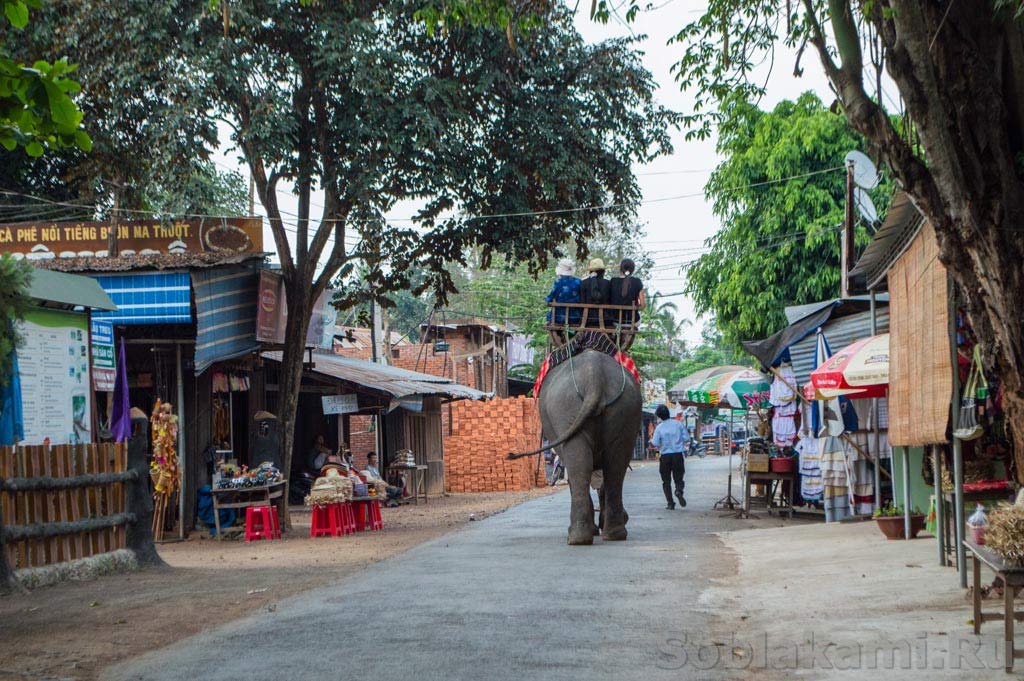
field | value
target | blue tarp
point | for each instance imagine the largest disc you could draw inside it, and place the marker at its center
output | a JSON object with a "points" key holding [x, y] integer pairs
{"points": [[204, 510], [225, 314], [147, 298], [12, 421]]}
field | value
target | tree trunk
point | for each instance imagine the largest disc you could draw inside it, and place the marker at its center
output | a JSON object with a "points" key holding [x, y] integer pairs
{"points": [[959, 67], [290, 378]]}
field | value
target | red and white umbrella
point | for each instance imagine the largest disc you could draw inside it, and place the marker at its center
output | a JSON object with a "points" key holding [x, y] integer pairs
{"points": [[859, 370]]}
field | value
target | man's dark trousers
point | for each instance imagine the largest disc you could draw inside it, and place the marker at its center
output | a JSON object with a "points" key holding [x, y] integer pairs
{"points": [[672, 468]]}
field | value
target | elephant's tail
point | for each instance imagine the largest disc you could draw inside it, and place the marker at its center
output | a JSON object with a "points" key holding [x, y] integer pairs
{"points": [[591, 406]]}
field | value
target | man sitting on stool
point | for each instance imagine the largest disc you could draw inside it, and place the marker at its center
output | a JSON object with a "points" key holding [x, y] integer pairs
{"points": [[670, 439], [394, 493]]}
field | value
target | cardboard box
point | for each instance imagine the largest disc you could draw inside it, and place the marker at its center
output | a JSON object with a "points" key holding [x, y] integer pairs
{"points": [[757, 463]]}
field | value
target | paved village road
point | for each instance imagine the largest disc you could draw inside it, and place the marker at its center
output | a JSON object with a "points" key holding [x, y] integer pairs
{"points": [[504, 598]]}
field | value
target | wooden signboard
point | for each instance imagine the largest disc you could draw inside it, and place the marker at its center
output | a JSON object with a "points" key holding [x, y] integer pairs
{"points": [[44, 240]]}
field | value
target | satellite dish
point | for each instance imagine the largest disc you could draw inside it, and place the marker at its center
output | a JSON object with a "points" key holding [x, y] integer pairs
{"points": [[865, 175], [865, 206]]}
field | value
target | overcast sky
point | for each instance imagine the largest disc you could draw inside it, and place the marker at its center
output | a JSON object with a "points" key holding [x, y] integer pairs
{"points": [[675, 228]]}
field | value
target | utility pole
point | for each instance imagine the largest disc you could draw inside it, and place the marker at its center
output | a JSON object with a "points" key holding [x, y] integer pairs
{"points": [[112, 247], [373, 327], [252, 195], [846, 253]]}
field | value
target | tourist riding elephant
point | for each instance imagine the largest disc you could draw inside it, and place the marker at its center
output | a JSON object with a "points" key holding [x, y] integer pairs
{"points": [[590, 412]]}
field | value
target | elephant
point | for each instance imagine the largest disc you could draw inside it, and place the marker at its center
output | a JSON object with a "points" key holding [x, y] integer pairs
{"points": [[590, 412]]}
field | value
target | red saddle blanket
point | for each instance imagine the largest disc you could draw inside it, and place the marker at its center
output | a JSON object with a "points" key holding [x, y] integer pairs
{"points": [[591, 340]]}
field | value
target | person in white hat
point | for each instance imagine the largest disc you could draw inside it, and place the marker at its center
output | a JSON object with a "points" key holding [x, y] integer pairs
{"points": [[566, 289], [595, 290]]}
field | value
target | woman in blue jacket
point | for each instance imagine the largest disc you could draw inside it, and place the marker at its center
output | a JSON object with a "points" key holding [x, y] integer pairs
{"points": [[566, 289]]}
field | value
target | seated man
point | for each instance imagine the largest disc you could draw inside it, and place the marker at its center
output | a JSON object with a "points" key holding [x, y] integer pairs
{"points": [[373, 473]]}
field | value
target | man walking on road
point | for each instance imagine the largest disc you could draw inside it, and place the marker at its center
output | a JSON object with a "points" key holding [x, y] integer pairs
{"points": [[670, 439]]}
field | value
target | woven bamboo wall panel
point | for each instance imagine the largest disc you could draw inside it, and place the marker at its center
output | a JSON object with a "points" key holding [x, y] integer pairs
{"points": [[920, 372]]}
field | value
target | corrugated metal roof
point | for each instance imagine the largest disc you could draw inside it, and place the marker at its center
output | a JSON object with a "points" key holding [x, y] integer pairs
{"points": [[843, 306], [68, 289], [839, 332], [902, 222], [148, 261], [466, 322], [392, 380]]}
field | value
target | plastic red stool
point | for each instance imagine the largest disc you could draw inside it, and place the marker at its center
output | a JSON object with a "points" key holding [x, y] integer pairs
{"points": [[376, 522], [325, 522], [347, 518], [368, 516], [261, 522]]}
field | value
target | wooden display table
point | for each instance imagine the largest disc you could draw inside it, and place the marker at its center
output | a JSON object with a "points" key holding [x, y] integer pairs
{"points": [[1012, 576], [417, 481], [246, 497], [772, 482]]}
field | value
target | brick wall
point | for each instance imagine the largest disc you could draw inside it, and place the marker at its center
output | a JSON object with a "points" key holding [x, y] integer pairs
{"points": [[483, 433], [361, 441]]}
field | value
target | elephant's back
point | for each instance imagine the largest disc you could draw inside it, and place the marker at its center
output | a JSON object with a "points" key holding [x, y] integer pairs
{"points": [[590, 370]]}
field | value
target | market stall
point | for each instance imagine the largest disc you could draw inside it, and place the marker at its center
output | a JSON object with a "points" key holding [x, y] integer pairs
{"points": [[740, 390]]}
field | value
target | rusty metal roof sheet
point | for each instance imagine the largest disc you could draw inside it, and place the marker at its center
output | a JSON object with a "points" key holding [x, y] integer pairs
{"points": [[145, 261], [392, 380]]}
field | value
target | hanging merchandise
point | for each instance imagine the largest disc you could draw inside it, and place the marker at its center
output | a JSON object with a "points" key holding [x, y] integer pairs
{"points": [[782, 395], [835, 478], [220, 382], [163, 469], [221, 422], [784, 429], [967, 426], [812, 487]]}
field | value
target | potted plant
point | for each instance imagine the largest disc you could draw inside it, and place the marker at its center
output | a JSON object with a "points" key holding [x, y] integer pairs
{"points": [[891, 522]]}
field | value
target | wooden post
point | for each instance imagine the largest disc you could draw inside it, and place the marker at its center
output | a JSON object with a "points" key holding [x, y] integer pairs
{"points": [[6, 576], [139, 502]]}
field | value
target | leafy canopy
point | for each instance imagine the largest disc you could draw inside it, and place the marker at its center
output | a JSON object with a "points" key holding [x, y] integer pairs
{"points": [[779, 242], [145, 106], [36, 109]]}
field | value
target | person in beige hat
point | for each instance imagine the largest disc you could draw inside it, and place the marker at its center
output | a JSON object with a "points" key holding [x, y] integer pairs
{"points": [[595, 290]]}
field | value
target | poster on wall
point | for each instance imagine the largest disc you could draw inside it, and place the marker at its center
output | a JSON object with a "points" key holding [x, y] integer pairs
{"points": [[104, 368], [55, 380]]}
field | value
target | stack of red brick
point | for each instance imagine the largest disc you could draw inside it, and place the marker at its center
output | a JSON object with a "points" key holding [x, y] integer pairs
{"points": [[483, 433]]}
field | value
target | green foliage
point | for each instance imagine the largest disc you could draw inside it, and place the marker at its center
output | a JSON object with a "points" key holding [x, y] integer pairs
{"points": [[779, 243], [14, 303], [509, 293], [37, 113], [146, 110], [710, 352]]}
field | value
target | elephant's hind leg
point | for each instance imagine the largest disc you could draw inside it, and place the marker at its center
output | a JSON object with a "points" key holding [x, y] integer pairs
{"points": [[579, 465], [614, 526]]}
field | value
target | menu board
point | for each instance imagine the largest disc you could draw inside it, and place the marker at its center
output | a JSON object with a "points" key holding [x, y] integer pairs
{"points": [[55, 384]]}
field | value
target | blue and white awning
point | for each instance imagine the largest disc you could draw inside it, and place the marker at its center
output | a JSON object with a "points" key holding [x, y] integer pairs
{"points": [[147, 298], [225, 314]]}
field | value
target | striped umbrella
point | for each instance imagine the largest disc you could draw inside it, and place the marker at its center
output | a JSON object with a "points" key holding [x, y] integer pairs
{"points": [[742, 389], [859, 370]]}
